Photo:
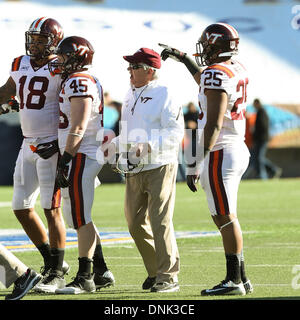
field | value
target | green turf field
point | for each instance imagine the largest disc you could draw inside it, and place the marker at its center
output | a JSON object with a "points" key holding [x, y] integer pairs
{"points": [[268, 213]]}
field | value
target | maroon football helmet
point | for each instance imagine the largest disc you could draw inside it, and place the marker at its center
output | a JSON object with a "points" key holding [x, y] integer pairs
{"points": [[218, 42], [79, 52], [50, 29]]}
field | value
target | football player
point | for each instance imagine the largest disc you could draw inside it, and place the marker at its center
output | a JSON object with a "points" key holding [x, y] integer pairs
{"points": [[222, 155], [81, 114], [37, 92]]}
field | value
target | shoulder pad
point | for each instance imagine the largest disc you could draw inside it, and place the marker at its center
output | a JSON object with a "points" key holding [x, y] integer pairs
{"points": [[82, 75], [16, 63], [224, 69]]}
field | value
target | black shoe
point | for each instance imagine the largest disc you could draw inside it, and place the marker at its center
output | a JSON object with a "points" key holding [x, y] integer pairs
{"points": [[80, 284], [44, 270], [65, 269], [104, 280], [148, 283], [23, 284], [226, 287]]}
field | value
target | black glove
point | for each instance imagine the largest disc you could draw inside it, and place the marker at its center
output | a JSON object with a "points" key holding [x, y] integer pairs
{"points": [[62, 173], [47, 150], [191, 181], [173, 53], [14, 105]]}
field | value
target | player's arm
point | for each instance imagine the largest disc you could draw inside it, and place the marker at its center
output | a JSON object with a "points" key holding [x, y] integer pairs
{"points": [[7, 91], [216, 106], [80, 112], [179, 56]]}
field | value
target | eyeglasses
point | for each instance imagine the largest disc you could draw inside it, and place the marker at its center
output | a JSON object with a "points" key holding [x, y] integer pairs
{"points": [[135, 66]]}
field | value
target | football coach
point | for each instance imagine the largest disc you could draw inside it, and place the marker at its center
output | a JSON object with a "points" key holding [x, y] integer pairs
{"points": [[152, 128]]}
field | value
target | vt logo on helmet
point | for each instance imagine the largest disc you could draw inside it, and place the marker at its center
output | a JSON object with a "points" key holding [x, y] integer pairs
{"points": [[218, 42], [212, 37], [81, 50]]}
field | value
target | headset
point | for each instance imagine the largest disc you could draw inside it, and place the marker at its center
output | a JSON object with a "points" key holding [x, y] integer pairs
{"points": [[125, 167]]}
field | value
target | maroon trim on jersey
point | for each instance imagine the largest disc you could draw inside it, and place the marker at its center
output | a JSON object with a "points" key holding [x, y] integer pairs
{"points": [[83, 75], [223, 68], [36, 66], [75, 190], [216, 182], [16, 63]]}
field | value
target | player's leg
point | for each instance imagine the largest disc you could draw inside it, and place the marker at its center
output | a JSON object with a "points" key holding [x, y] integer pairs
{"points": [[26, 191], [222, 173], [57, 239], [50, 201], [33, 226], [103, 277], [56, 268], [161, 189], [233, 244], [78, 200]]}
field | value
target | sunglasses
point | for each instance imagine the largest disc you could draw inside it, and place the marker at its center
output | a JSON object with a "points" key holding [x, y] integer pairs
{"points": [[135, 66]]}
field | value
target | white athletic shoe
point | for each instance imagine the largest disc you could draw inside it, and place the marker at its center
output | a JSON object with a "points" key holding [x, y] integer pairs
{"points": [[79, 285], [226, 287], [51, 282], [165, 287], [248, 287]]}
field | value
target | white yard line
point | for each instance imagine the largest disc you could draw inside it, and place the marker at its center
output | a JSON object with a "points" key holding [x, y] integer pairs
{"points": [[4, 204]]}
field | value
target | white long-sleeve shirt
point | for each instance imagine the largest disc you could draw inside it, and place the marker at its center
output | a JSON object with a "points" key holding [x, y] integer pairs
{"points": [[149, 114]]}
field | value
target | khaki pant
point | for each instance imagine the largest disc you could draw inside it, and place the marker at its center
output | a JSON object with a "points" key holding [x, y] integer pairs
{"points": [[149, 207], [13, 267]]}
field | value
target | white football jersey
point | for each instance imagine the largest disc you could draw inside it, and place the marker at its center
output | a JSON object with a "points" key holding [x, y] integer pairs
{"points": [[81, 84], [37, 92], [233, 79]]}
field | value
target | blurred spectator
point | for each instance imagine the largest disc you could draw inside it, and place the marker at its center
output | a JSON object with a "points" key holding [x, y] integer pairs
{"points": [[191, 116], [111, 114], [261, 164], [189, 144], [107, 98], [118, 107], [250, 123], [191, 124]]}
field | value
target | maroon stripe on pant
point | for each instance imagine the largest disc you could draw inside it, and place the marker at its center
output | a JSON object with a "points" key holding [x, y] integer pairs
{"points": [[211, 179], [75, 190], [56, 197], [216, 182]]}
